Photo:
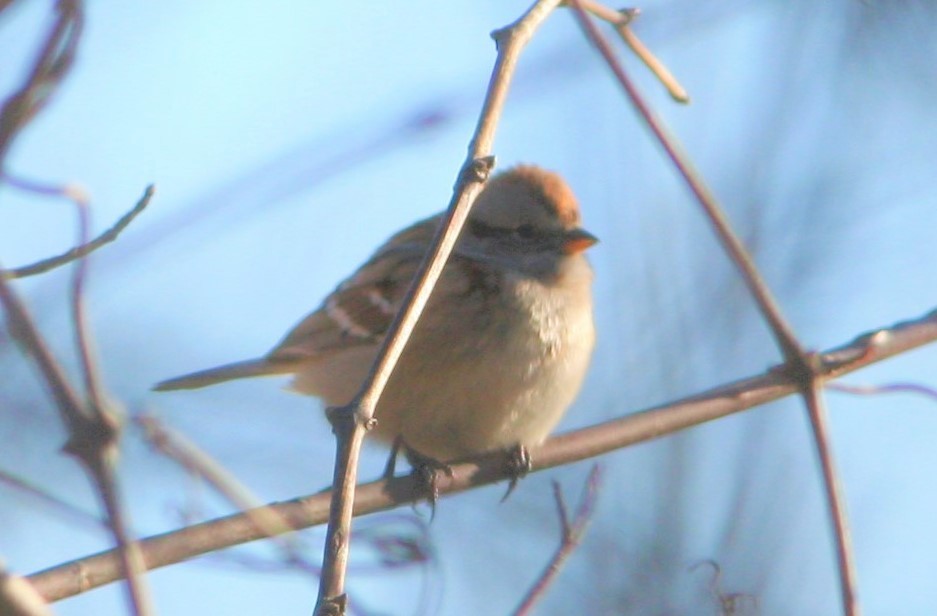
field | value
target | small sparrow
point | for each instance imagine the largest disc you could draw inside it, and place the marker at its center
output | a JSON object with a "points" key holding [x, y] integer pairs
{"points": [[503, 344]]}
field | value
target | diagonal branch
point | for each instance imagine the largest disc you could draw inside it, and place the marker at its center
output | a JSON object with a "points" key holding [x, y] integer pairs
{"points": [[84, 574], [571, 533], [85, 248], [352, 421], [92, 430], [798, 362], [786, 340]]}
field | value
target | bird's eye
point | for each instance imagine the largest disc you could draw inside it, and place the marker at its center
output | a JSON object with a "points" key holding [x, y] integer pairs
{"points": [[526, 232]]}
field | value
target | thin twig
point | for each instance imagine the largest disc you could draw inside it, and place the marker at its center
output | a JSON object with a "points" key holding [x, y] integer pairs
{"points": [[621, 21], [92, 431], [889, 388], [835, 499], [352, 421], [571, 533], [56, 504], [53, 63], [179, 449], [78, 576], [798, 362], [729, 603], [111, 234], [790, 347]]}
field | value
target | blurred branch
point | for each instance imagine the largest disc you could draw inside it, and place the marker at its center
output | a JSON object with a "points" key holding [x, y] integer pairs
{"points": [[179, 449], [55, 60], [571, 533], [730, 603], [18, 597], [58, 505], [91, 428], [800, 364], [768, 306], [351, 422], [83, 574], [83, 249]]}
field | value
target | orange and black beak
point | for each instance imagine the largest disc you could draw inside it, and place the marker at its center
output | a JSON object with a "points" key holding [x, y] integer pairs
{"points": [[577, 240]]}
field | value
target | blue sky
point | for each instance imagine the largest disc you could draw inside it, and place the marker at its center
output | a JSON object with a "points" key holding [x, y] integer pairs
{"points": [[286, 142]]}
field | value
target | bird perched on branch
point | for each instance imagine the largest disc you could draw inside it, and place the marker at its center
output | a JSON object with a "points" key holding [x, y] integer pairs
{"points": [[503, 344]]}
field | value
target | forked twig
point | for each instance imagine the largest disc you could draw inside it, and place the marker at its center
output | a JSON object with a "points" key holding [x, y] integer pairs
{"points": [[800, 364], [729, 603], [92, 430], [72, 578], [621, 21], [571, 533], [352, 421], [790, 347]]}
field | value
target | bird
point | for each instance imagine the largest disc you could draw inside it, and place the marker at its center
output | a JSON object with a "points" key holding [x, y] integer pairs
{"points": [[501, 349]]}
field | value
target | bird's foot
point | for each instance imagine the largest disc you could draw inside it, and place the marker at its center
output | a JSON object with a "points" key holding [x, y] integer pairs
{"points": [[427, 470], [517, 466]]}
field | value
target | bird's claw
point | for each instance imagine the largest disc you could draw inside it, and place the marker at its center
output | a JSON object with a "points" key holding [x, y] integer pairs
{"points": [[517, 466], [426, 470]]}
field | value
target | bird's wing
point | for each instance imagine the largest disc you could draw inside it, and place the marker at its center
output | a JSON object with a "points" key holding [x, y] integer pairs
{"points": [[361, 309]]}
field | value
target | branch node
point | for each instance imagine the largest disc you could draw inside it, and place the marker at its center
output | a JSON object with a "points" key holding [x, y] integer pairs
{"points": [[332, 606], [500, 36], [92, 437], [476, 171], [628, 15], [345, 418]]}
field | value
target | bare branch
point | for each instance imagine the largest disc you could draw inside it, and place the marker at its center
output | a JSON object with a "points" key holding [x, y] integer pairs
{"points": [[352, 421], [109, 235], [729, 603], [571, 533], [62, 507], [798, 362], [888, 388], [19, 598], [621, 21], [92, 430], [835, 498], [786, 340], [188, 455], [53, 64], [81, 575]]}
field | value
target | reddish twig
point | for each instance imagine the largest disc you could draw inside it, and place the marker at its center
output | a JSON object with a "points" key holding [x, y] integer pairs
{"points": [[889, 388], [83, 574], [790, 347], [798, 362], [571, 533]]}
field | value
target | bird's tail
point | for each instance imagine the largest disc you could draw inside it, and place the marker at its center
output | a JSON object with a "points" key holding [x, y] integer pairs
{"points": [[228, 372]]}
